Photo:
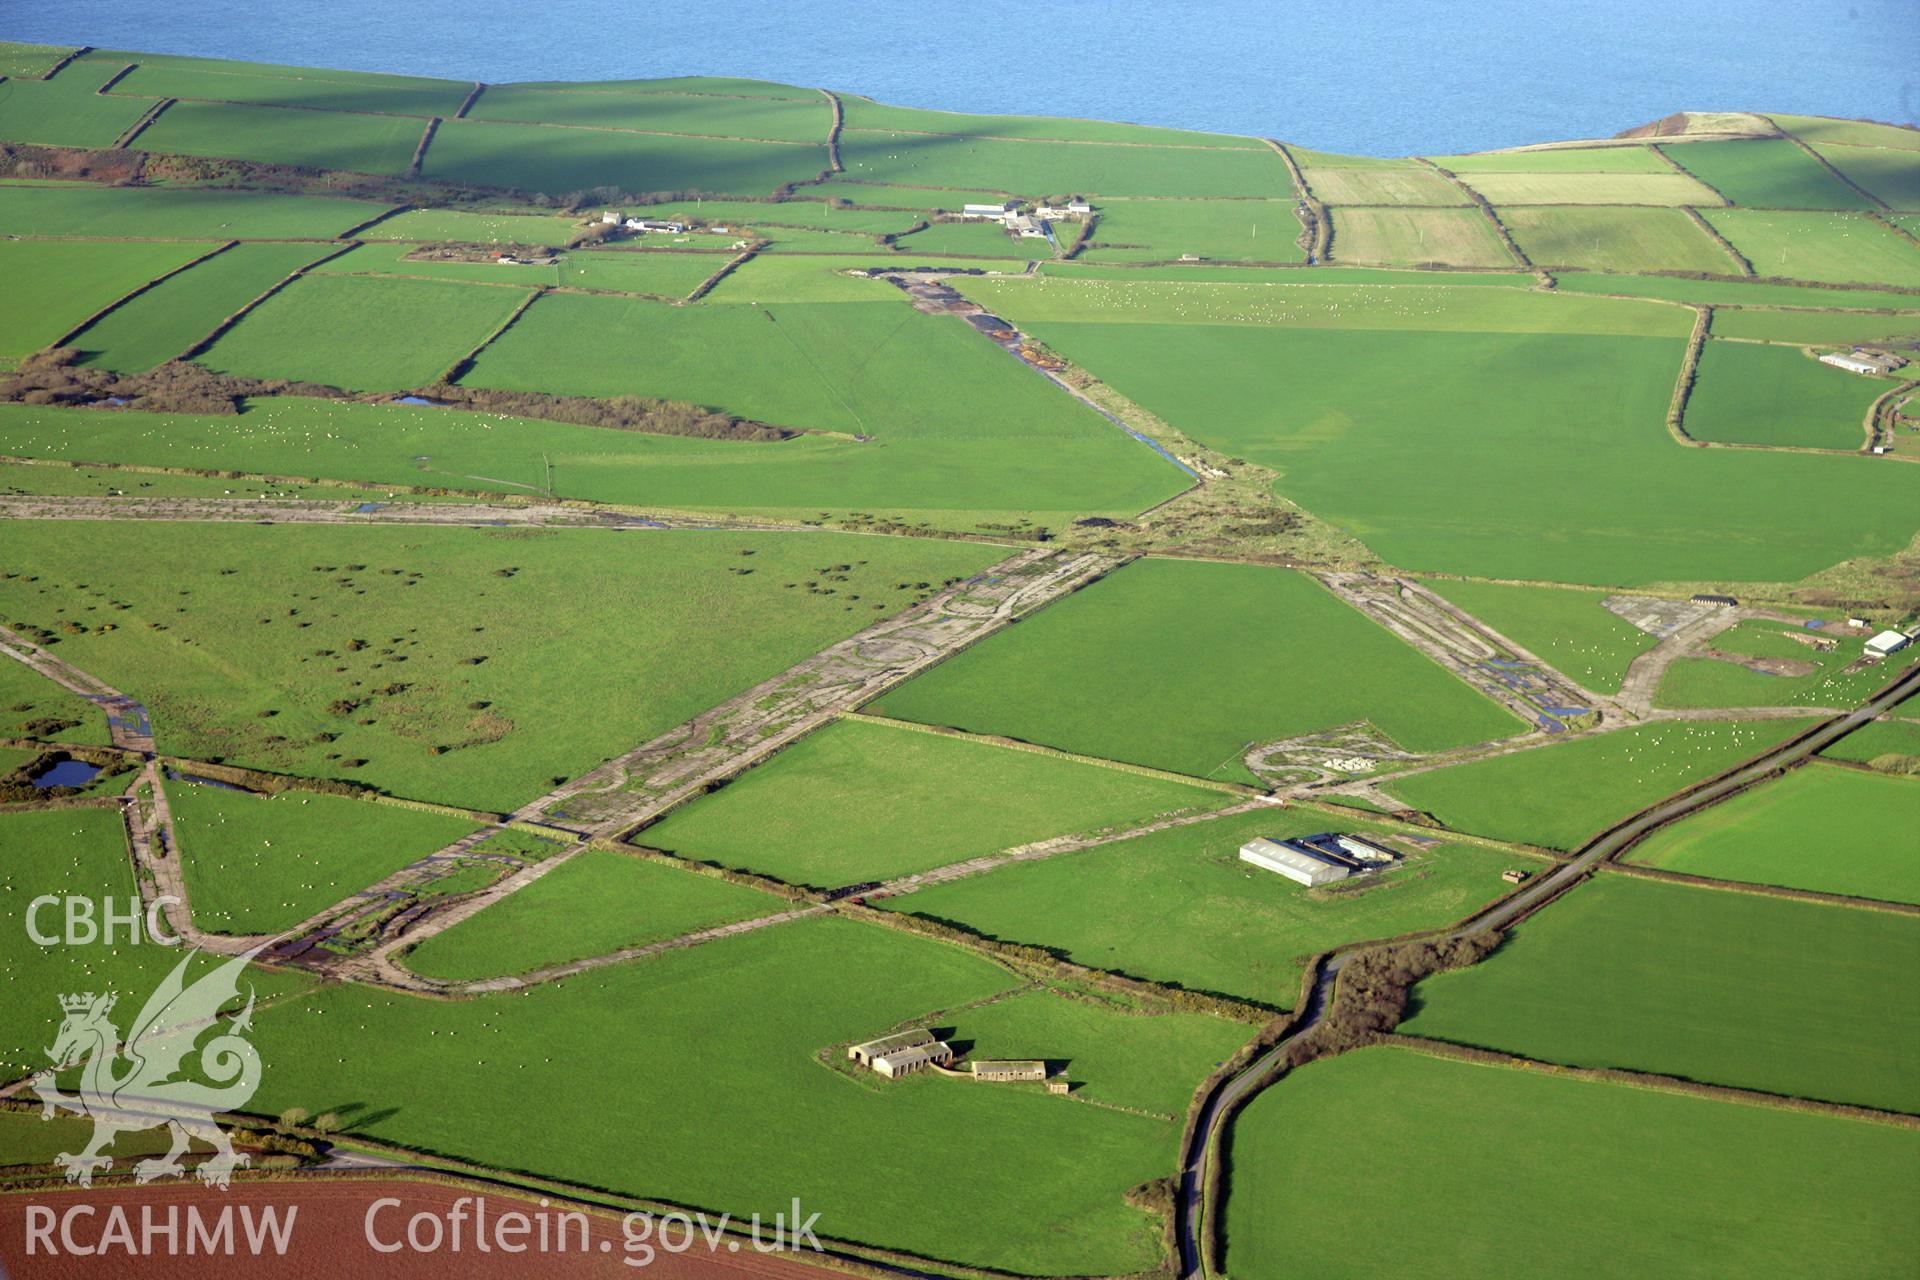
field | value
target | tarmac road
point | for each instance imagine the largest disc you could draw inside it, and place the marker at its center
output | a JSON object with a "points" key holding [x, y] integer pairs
{"points": [[1608, 844]]}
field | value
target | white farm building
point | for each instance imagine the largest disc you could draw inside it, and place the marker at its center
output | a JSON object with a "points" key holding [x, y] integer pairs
{"points": [[1306, 866], [1887, 642]]}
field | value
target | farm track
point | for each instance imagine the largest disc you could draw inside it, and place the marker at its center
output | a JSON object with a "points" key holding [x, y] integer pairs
{"points": [[1190, 1206], [331, 511]]}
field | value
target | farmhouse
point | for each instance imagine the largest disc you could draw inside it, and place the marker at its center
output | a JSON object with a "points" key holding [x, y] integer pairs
{"points": [[1002, 1070], [1292, 861], [1888, 642], [1871, 363]]}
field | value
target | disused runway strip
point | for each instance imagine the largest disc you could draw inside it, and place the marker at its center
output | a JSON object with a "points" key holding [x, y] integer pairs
{"points": [[323, 511]]}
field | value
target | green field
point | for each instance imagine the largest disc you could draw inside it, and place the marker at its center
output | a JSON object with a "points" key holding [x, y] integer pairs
{"points": [[1822, 129], [1891, 175], [86, 209], [168, 319], [766, 119], [1616, 240], [595, 903], [259, 864], [539, 158], [1816, 327], [462, 639], [275, 135], [20, 61], [1751, 394], [1413, 184], [860, 801], [1736, 293], [1047, 1173], [1166, 230], [1722, 987], [866, 114], [27, 696], [1216, 273], [471, 226], [1629, 159], [965, 239], [66, 111], [80, 853], [1667, 188], [362, 333], [1571, 630], [1131, 669], [1492, 1171], [1448, 237], [1872, 742], [337, 91], [1536, 456], [1056, 168], [1179, 906], [1766, 173], [1844, 247], [656, 275], [53, 285], [941, 483], [1824, 827], [1561, 794], [1818, 679]]}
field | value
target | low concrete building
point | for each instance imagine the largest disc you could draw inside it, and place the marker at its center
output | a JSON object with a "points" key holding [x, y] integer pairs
{"points": [[866, 1052], [904, 1062], [1871, 363], [1301, 865], [1513, 875], [1058, 1086], [986, 210], [1708, 597], [1002, 1070], [1361, 853], [1888, 642]]}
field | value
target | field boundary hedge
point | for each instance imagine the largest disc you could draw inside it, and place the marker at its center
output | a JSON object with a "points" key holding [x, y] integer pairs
{"points": [[1648, 1080], [1316, 225], [61, 65], [1689, 371], [420, 148], [67, 337], [473, 96], [460, 367], [1812, 897], [1493, 215], [220, 329], [833, 132], [138, 127], [1713, 233]]}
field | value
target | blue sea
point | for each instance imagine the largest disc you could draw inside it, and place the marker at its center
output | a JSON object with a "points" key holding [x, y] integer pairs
{"points": [[1386, 77]]}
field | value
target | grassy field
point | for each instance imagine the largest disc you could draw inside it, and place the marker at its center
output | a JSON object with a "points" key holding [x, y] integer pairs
{"points": [[1825, 680], [54, 285], [1215, 273], [87, 209], [1710, 1188], [1816, 327], [458, 640], [981, 239], [1632, 159], [1450, 237], [1043, 168], [1572, 630], [866, 114], [859, 801], [1888, 174], [1723, 987], [337, 91], [1873, 741], [538, 158], [166, 320], [1616, 239], [1766, 173], [1179, 906], [1823, 129], [273, 135], [1131, 669], [364, 333], [27, 696], [20, 61], [657, 275], [1532, 455], [66, 111], [1735, 292], [1590, 188], [1221, 230], [1822, 826], [471, 226], [1413, 184], [595, 903], [766, 119], [1752, 394], [258, 864], [940, 483], [1559, 795], [79, 853], [1845, 247], [1047, 1173]]}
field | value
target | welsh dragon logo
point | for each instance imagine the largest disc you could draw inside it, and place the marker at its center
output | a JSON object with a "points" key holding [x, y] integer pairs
{"points": [[143, 1081]]}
